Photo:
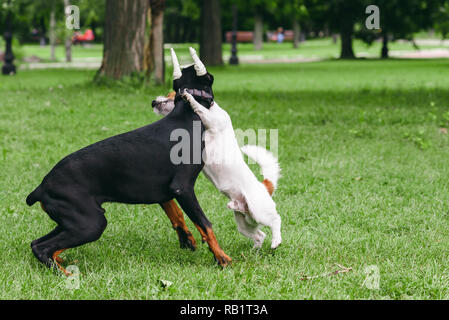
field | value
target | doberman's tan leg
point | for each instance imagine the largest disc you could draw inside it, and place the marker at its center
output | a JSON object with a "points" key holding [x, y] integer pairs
{"points": [[57, 260], [176, 217], [209, 237]]}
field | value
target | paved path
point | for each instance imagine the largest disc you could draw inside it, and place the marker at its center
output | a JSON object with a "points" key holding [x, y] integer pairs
{"points": [[61, 65], [422, 54], [93, 64]]}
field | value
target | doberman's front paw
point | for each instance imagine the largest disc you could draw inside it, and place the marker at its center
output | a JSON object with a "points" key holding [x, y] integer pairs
{"points": [[223, 260], [187, 241]]}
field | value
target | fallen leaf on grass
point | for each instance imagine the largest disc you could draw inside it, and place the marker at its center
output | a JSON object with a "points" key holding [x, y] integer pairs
{"points": [[166, 283]]}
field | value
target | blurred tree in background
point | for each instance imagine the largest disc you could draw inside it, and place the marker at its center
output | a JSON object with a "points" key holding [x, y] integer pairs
{"points": [[154, 49], [442, 20], [401, 20], [149, 24], [211, 52], [123, 51]]}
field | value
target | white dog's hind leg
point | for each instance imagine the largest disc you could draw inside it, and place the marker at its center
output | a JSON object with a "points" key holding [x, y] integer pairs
{"points": [[248, 230], [266, 215], [276, 231]]}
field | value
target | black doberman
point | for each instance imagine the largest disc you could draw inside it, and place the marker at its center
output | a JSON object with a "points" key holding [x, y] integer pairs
{"points": [[134, 168]]}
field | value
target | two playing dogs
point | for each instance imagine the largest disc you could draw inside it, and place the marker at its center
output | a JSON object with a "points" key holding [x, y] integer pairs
{"points": [[136, 168]]}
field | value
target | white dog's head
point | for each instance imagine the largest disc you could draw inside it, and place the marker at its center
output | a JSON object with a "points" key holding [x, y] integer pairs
{"points": [[164, 105]]}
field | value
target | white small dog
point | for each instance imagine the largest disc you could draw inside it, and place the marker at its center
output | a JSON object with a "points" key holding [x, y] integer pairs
{"points": [[225, 167]]}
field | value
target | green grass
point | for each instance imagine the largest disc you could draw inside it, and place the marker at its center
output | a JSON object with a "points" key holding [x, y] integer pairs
{"points": [[365, 182]]}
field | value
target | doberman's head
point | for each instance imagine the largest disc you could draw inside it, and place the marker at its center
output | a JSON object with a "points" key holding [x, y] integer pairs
{"points": [[194, 78]]}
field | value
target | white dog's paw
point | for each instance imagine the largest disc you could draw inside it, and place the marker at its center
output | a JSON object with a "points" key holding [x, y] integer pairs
{"points": [[187, 96], [276, 242], [232, 205], [237, 206], [258, 240]]}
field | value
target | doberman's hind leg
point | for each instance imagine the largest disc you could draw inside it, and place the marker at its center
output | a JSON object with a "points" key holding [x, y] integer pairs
{"points": [[174, 213], [189, 203], [75, 229]]}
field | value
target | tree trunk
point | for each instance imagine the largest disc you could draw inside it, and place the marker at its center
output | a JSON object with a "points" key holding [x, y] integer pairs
{"points": [[156, 45], [346, 43], [211, 52], [52, 34], [334, 38], [384, 53], [43, 32], [68, 39], [296, 33], [124, 37], [258, 31]]}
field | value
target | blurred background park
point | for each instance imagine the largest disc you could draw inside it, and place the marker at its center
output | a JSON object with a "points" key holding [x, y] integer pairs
{"points": [[362, 113], [265, 31]]}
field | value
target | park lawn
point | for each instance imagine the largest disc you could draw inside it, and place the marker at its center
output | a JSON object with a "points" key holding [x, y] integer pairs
{"points": [[365, 183], [315, 48]]}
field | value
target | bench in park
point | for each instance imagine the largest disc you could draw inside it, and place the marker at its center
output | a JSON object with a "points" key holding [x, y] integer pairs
{"points": [[248, 36], [242, 36], [273, 36]]}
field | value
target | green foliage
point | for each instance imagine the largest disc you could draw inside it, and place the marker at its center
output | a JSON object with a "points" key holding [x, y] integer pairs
{"points": [[401, 20], [442, 20], [30, 14]]}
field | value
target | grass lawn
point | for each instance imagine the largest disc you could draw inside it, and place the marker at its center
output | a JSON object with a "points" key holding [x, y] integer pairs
{"points": [[365, 182], [316, 48]]}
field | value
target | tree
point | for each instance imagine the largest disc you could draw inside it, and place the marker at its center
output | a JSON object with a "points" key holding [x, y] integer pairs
{"points": [[154, 51], [68, 38], [124, 38], [341, 16], [258, 29], [259, 7], [399, 21], [92, 14], [182, 21], [52, 31], [442, 20], [294, 11], [211, 35]]}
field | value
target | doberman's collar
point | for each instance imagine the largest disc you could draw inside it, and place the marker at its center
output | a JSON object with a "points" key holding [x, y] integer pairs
{"points": [[197, 94]]}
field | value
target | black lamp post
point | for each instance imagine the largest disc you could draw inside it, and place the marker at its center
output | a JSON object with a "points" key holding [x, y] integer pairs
{"points": [[234, 59], [8, 68]]}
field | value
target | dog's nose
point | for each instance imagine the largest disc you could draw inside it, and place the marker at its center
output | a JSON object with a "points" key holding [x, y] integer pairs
{"points": [[154, 103]]}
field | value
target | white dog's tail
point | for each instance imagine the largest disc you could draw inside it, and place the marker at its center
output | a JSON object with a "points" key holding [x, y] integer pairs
{"points": [[268, 164]]}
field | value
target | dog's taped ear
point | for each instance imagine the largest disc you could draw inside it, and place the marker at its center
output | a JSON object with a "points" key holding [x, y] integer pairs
{"points": [[177, 74], [199, 66]]}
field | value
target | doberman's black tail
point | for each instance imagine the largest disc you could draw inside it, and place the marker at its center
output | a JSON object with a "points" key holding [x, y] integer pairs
{"points": [[33, 197]]}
